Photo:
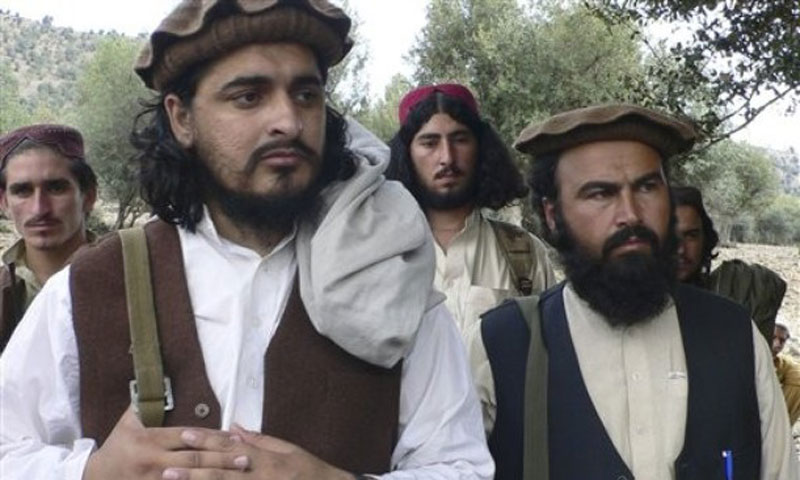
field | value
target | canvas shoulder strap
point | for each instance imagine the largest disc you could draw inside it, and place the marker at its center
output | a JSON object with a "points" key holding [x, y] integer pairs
{"points": [[518, 251], [150, 391], [535, 443]]}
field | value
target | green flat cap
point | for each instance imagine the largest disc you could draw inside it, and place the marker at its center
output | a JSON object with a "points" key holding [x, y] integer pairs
{"points": [[199, 30], [664, 133]]}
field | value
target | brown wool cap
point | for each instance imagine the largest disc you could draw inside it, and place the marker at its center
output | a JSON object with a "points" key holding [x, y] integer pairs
{"points": [[62, 138], [199, 30], [666, 134]]}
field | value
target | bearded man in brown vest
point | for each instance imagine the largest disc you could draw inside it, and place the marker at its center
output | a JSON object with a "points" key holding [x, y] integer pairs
{"points": [[299, 333]]}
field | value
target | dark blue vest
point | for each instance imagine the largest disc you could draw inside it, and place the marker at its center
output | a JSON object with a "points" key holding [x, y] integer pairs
{"points": [[722, 409]]}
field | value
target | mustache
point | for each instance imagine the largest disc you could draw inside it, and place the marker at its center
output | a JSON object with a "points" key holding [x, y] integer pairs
{"points": [[294, 146], [446, 171], [620, 237], [44, 217]]}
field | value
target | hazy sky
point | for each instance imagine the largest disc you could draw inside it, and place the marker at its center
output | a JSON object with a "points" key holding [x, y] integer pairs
{"points": [[389, 27]]}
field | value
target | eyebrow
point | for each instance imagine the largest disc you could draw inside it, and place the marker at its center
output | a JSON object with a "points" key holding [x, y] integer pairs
{"points": [[435, 136], [261, 80], [613, 186]]}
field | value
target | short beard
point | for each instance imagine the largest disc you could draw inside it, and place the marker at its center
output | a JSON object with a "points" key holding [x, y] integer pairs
{"points": [[429, 199], [627, 290], [267, 212]]}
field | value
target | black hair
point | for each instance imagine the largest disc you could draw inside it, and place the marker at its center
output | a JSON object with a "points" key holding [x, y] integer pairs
{"points": [[78, 167], [170, 179], [686, 196], [498, 180]]}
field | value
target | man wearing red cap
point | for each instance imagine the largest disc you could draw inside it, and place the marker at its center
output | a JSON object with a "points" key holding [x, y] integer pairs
{"points": [[455, 165], [47, 189], [277, 320], [621, 371]]}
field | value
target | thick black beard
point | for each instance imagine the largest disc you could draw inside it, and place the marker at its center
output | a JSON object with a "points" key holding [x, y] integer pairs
{"points": [[266, 213], [626, 290]]}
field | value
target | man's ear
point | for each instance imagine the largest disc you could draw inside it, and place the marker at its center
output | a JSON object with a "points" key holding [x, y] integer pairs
{"points": [[549, 208], [180, 120], [3, 201]]}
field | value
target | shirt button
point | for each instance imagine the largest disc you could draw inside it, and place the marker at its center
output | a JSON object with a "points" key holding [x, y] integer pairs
{"points": [[201, 410], [251, 382], [640, 430], [636, 377]]}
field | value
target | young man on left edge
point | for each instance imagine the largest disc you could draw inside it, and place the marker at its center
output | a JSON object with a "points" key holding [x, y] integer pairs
{"points": [[300, 330], [48, 190]]}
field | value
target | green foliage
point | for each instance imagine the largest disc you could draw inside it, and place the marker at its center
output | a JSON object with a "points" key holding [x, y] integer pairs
{"points": [[742, 54], [526, 63], [381, 117], [110, 96], [44, 60], [779, 223], [738, 182], [347, 84], [12, 110]]}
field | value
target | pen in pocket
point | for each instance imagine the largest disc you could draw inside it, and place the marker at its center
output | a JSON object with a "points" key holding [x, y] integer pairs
{"points": [[727, 457]]}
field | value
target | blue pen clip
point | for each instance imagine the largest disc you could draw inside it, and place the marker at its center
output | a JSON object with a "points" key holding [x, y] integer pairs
{"points": [[727, 457]]}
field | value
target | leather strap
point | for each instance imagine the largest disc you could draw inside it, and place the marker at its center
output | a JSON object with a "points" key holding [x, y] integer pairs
{"points": [[518, 251], [148, 391], [536, 457]]}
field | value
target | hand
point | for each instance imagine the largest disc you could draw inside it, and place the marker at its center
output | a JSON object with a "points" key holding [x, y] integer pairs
{"points": [[268, 458], [132, 451]]}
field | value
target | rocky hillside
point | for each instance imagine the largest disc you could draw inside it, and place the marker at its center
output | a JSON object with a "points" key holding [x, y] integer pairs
{"points": [[45, 60]]}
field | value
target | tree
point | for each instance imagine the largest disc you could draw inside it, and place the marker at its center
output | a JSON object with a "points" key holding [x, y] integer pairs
{"points": [[381, 116], [12, 110], [743, 54], [110, 96], [347, 84], [738, 182], [780, 222], [526, 63]]}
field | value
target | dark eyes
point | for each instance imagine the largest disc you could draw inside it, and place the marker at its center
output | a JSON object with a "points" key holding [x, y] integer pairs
{"points": [[246, 99], [252, 98], [56, 187]]}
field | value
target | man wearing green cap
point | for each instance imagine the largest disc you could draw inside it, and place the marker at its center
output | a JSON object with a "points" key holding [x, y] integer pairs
{"points": [[621, 372], [292, 330]]}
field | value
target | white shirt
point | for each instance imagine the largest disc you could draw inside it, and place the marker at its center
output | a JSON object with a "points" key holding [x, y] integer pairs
{"points": [[637, 380], [238, 299], [476, 277]]}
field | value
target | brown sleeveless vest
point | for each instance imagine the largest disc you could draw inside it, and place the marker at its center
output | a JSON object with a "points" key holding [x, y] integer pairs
{"points": [[316, 395]]}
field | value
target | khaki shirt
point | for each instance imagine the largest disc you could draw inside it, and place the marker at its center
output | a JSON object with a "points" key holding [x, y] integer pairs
{"points": [[16, 254], [788, 372]]}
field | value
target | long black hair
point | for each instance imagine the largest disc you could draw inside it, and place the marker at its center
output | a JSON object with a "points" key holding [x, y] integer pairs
{"points": [[498, 180], [170, 178]]}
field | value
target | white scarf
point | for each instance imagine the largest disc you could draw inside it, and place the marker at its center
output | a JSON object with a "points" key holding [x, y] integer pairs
{"points": [[366, 266]]}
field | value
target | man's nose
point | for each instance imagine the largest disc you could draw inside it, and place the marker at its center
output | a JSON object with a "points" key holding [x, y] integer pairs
{"points": [[283, 119], [41, 202], [627, 213], [446, 154]]}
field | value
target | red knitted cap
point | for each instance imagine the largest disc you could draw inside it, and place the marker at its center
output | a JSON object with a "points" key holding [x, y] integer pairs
{"points": [[414, 97], [64, 139]]}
